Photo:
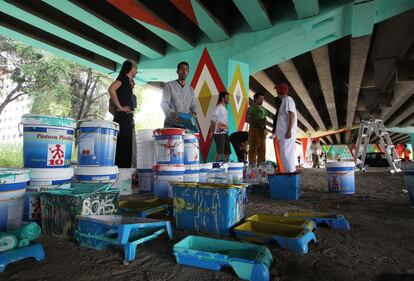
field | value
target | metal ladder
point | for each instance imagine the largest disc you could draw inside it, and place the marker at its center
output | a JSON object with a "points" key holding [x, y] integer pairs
{"points": [[365, 131]]}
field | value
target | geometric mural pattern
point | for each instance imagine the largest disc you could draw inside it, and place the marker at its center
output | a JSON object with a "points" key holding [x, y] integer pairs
{"points": [[207, 85], [238, 98]]}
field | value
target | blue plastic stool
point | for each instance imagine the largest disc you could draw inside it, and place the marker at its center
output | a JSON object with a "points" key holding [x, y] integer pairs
{"points": [[35, 251], [99, 232]]}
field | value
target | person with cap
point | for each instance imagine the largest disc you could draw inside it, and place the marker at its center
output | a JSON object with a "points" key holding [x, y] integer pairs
{"points": [[256, 117], [178, 97], [286, 129]]}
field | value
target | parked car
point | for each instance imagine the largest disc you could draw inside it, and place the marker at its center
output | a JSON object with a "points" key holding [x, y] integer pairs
{"points": [[376, 159]]}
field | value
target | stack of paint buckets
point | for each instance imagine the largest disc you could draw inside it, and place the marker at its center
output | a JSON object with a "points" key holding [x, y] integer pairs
{"points": [[191, 158], [13, 184], [169, 151], [145, 160], [47, 152], [96, 153]]}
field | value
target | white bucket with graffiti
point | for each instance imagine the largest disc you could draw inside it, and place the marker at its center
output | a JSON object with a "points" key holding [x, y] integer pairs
{"points": [[42, 179], [164, 174], [145, 149], [169, 146], [192, 173], [124, 181], [204, 169], [191, 149], [235, 172], [105, 174], [13, 184]]}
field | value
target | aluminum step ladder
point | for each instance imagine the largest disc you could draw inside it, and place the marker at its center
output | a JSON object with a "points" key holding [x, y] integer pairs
{"points": [[366, 129]]}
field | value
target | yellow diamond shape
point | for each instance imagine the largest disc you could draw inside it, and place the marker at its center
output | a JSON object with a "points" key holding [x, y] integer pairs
{"points": [[204, 97]]}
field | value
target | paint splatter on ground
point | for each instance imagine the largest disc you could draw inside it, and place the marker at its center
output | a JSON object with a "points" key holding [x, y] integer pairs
{"points": [[380, 241]]}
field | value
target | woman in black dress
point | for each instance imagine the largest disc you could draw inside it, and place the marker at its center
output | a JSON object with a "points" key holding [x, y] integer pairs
{"points": [[122, 97]]}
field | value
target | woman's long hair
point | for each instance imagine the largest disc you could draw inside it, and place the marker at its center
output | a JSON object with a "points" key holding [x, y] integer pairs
{"points": [[126, 68]]}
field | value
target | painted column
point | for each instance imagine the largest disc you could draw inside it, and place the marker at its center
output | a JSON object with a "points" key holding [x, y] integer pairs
{"points": [[412, 146]]}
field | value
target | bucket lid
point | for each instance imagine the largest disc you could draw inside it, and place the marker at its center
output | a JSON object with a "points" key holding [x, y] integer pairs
{"points": [[333, 164], [168, 168], [47, 174], [235, 164], [33, 119], [189, 136], [168, 132], [96, 171], [97, 123], [13, 175]]}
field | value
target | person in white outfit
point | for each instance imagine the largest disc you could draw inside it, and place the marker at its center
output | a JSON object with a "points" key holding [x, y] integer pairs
{"points": [[220, 126], [286, 129]]}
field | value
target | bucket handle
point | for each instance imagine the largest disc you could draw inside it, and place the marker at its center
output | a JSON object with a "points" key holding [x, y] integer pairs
{"points": [[19, 127]]}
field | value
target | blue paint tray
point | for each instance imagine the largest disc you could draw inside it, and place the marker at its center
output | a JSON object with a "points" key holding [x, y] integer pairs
{"points": [[206, 207], [335, 221], [249, 261], [292, 237], [35, 251], [100, 232]]}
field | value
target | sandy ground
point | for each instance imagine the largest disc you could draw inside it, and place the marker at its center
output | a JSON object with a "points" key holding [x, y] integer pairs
{"points": [[379, 246]]}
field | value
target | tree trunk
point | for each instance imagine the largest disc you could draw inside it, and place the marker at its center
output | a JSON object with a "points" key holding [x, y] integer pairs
{"points": [[12, 96], [85, 93]]}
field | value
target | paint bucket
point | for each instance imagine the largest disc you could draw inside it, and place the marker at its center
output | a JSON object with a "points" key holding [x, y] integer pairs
{"points": [[47, 141], [165, 174], [145, 180], [145, 149], [204, 169], [191, 149], [192, 173], [169, 146], [43, 180], [97, 142], [96, 174], [408, 169], [235, 172], [341, 177], [124, 181], [13, 184]]}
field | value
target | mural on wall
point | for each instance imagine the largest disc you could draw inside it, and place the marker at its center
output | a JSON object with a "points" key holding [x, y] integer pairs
{"points": [[206, 84], [239, 96]]}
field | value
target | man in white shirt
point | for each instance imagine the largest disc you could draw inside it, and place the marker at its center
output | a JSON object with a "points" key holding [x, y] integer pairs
{"points": [[286, 129], [178, 97], [220, 125]]}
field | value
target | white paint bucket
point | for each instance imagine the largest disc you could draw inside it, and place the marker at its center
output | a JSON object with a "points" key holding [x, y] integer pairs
{"points": [[124, 181], [106, 174], [43, 179], [235, 172], [191, 149], [145, 149], [192, 173], [204, 169], [341, 177], [165, 174], [169, 146]]}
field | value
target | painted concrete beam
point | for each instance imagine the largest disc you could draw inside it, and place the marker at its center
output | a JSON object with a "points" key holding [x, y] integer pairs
{"points": [[268, 84], [338, 138], [27, 39], [97, 23], [306, 8], [255, 13], [359, 54], [363, 19], [403, 115], [330, 139], [64, 33], [208, 23], [402, 92], [320, 58], [292, 75], [408, 122]]}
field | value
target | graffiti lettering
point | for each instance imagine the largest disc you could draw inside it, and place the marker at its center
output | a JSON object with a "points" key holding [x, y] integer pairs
{"points": [[98, 207]]}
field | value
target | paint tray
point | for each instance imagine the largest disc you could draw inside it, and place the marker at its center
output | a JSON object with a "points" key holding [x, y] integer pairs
{"points": [[249, 261], [335, 221], [100, 232], [144, 208], [306, 224], [35, 251], [292, 237]]}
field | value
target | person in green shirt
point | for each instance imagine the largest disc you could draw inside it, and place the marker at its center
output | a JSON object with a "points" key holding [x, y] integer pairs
{"points": [[256, 117]]}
